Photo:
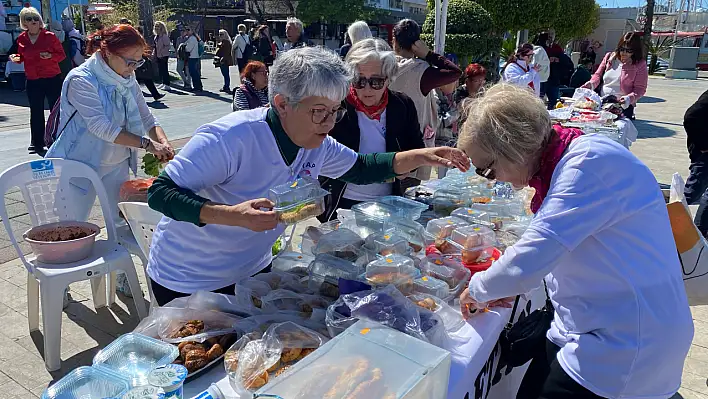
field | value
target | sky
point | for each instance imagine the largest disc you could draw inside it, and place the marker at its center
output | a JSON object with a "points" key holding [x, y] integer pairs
{"points": [[620, 3]]}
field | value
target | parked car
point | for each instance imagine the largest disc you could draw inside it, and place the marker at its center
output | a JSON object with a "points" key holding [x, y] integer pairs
{"points": [[661, 64]]}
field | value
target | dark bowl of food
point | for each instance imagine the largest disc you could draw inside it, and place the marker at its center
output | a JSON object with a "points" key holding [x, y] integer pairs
{"points": [[62, 242]]}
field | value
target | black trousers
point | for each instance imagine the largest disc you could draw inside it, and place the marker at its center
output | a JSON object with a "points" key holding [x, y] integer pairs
{"points": [[150, 85], [241, 62], [545, 379], [696, 189], [164, 72], [37, 91], [164, 295]]}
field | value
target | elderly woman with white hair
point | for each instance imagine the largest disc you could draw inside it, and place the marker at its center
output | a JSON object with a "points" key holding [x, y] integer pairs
{"points": [[377, 120], [356, 32], [218, 227], [41, 52], [600, 241]]}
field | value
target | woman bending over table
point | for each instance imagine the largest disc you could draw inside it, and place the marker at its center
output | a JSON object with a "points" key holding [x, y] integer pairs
{"points": [[218, 227], [601, 240]]}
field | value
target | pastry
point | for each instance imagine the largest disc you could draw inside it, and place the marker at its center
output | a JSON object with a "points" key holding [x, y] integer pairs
{"points": [[185, 347], [231, 361], [211, 342], [366, 388], [281, 370], [290, 354], [194, 365], [348, 380], [195, 354], [215, 351], [305, 352], [256, 381], [274, 366], [427, 303]]}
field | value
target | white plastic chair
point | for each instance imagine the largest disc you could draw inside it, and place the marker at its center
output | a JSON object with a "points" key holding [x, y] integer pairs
{"points": [[142, 220], [45, 188]]}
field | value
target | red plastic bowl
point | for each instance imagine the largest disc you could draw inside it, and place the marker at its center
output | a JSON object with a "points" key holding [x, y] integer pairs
{"points": [[482, 266]]}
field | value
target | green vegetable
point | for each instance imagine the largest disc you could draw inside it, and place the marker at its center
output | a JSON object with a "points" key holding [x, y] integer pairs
{"points": [[151, 165], [277, 246]]}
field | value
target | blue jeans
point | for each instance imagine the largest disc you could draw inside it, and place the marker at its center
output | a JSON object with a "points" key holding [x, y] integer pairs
{"points": [[194, 73], [227, 77], [553, 93]]}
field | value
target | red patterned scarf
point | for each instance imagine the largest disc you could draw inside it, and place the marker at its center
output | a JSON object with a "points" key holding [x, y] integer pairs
{"points": [[373, 112], [541, 181]]}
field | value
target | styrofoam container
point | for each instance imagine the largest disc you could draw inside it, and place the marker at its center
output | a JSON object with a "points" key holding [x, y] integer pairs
{"points": [[59, 252], [134, 355], [377, 361], [87, 383]]}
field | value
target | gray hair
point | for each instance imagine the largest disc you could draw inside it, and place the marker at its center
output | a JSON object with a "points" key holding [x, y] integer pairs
{"points": [[226, 34], [296, 22], [373, 50], [30, 12], [509, 122], [309, 72], [241, 28], [358, 31]]}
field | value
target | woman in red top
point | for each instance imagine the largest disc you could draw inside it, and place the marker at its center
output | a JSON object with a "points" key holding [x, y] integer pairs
{"points": [[41, 52]]}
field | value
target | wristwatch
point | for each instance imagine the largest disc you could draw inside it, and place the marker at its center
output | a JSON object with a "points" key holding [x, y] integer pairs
{"points": [[144, 143]]}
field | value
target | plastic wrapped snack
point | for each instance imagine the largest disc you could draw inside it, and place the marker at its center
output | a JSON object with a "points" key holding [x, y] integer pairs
{"points": [[239, 304], [292, 262], [451, 318], [448, 270], [393, 269], [450, 198], [298, 201], [471, 215], [475, 242], [407, 208], [257, 289], [413, 231], [431, 286], [278, 300], [338, 318], [251, 363], [192, 325], [281, 280], [438, 230], [482, 195], [325, 272], [312, 235], [387, 242], [341, 243]]}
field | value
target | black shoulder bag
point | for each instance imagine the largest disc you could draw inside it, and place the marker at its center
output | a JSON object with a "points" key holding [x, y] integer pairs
{"points": [[523, 340]]}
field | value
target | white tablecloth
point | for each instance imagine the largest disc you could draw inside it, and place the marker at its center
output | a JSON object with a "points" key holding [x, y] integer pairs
{"points": [[628, 133], [475, 371]]}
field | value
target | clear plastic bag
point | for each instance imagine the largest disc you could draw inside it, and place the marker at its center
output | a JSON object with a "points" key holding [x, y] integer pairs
{"points": [[278, 300], [292, 262], [251, 363], [181, 325], [451, 318], [239, 304], [256, 326], [312, 235], [325, 272], [338, 318], [341, 243], [281, 280]]}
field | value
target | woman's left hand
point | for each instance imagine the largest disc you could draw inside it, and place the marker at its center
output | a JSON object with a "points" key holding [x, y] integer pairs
{"points": [[170, 149], [447, 157], [468, 306], [45, 55]]}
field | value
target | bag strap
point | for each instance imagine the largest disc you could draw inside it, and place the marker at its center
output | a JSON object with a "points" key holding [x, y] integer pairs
{"points": [[67, 123], [510, 323]]}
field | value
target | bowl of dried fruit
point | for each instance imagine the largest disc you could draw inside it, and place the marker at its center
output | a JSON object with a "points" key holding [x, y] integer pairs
{"points": [[62, 242]]}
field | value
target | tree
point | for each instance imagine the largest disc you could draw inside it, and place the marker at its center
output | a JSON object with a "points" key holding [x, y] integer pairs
{"points": [[648, 22], [515, 15], [469, 33], [330, 11], [575, 19], [130, 10]]}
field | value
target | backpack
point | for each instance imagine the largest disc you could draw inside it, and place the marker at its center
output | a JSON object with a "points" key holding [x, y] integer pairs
{"points": [[200, 47], [248, 49], [51, 132], [182, 52]]}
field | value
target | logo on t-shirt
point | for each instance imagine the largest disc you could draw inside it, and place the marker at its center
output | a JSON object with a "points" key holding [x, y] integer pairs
{"points": [[306, 169]]}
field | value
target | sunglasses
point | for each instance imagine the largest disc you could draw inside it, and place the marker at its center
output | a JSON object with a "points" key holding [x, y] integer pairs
{"points": [[132, 63], [31, 19], [374, 83], [626, 50], [487, 173]]}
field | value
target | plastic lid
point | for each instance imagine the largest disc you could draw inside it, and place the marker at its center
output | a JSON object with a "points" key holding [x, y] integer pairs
{"points": [[391, 269], [443, 227], [407, 208], [459, 196], [145, 392], [375, 210], [168, 377], [342, 243], [473, 238], [87, 382], [430, 285], [387, 242], [330, 267], [302, 190], [413, 231], [471, 215]]}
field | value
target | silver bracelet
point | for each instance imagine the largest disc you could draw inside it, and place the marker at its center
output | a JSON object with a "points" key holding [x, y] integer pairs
{"points": [[144, 143]]}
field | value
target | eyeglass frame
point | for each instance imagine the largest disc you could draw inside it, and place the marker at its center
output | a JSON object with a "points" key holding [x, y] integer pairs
{"points": [[32, 18], [340, 112], [626, 50], [130, 63]]}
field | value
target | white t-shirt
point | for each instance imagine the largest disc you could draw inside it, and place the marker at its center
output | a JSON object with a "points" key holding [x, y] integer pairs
{"points": [[372, 140], [603, 241], [229, 161], [611, 80]]}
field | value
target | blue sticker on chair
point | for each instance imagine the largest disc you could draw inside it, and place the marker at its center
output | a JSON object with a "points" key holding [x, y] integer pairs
{"points": [[43, 169]]}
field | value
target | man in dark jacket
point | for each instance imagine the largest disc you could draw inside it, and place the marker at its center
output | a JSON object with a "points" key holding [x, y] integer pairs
{"points": [[695, 122]]}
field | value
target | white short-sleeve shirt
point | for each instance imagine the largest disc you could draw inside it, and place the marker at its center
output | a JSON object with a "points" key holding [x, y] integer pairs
{"points": [[229, 161]]}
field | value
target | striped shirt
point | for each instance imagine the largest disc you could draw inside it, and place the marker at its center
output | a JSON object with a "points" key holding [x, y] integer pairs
{"points": [[241, 100]]}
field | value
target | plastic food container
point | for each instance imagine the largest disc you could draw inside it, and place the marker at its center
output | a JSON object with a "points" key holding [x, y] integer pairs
{"points": [[448, 270], [373, 214], [145, 392], [87, 382], [482, 195], [451, 318], [475, 242], [134, 356], [312, 235], [393, 269], [407, 208], [431, 286], [325, 272], [170, 378], [438, 230], [471, 215], [413, 231], [341, 243], [450, 198], [292, 262], [298, 201], [387, 243], [62, 242], [369, 361]]}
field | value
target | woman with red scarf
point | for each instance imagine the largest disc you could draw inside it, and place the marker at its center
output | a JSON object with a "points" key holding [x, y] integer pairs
{"points": [[377, 120], [602, 243]]}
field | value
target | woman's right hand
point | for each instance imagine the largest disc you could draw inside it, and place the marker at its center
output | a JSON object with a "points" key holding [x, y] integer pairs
{"points": [[163, 152], [537, 67], [255, 215]]}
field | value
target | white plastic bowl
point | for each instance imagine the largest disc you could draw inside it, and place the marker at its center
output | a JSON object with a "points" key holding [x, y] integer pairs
{"points": [[62, 251]]}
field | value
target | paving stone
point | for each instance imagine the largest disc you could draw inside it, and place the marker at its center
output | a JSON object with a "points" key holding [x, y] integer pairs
{"points": [[14, 272], [14, 390], [14, 325], [694, 382]]}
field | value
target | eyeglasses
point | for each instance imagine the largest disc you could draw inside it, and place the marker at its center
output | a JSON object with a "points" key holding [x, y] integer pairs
{"points": [[374, 82], [487, 173], [132, 63], [320, 116], [31, 18], [626, 50], [262, 71]]}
